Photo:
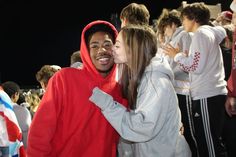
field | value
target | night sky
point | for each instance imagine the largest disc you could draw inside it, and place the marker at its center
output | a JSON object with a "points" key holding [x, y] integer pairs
{"points": [[38, 32]]}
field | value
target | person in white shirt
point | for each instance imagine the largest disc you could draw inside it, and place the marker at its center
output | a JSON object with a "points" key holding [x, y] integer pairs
{"points": [[170, 26], [204, 63], [22, 113]]}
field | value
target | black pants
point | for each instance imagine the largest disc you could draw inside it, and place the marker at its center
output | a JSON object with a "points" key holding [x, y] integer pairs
{"points": [[208, 120], [185, 106], [229, 135]]}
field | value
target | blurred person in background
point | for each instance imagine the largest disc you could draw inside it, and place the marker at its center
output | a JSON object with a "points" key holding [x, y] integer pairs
{"points": [[45, 73], [204, 63], [224, 18], [230, 105], [22, 113], [33, 98], [134, 13], [75, 60], [11, 144], [170, 26]]}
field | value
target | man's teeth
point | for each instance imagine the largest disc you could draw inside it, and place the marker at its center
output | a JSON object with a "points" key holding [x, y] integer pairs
{"points": [[104, 59]]}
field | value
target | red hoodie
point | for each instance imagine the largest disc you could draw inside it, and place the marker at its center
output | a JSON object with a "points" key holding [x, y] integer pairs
{"points": [[66, 123], [232, 79]]}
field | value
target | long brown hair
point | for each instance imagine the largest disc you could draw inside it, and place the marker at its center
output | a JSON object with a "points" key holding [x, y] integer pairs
{"points": [[140, 46]]}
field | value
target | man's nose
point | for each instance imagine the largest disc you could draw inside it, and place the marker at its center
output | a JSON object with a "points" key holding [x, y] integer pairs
{"points": [[101, 49]]}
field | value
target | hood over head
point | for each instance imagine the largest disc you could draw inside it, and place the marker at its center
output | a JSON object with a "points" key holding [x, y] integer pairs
{"points": [[89, 29]]}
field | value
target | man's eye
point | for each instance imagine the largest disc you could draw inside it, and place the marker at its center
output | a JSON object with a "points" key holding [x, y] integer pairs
{"points": [[93, 46], [108, 45]]}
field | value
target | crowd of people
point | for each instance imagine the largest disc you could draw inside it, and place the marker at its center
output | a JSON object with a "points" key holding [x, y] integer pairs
{"points": [[135, 92]]}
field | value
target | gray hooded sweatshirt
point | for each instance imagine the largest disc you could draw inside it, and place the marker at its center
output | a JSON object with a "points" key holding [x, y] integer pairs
{"points": [[153, 128]]}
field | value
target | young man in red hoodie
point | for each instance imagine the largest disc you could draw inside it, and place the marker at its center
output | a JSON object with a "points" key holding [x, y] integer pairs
{"points": [[66, 123]]}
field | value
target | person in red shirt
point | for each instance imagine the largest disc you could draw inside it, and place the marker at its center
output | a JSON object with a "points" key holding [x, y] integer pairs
{"points": [[230, 105], [66, 123]]}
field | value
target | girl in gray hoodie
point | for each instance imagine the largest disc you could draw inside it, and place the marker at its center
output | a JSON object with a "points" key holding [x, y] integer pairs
{"points": [[152, 123]]}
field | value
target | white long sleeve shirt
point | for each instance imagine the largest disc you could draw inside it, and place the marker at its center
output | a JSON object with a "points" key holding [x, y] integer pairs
{"points": [[181, 39], [205, 63]]}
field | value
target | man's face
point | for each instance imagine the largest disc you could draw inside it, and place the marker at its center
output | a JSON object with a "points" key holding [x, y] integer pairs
{"points": [[100, 47], [169, 30], [188, 24]]}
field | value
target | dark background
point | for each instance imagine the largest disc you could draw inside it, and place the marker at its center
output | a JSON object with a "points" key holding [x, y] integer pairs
{"points": [[38, 32]]}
